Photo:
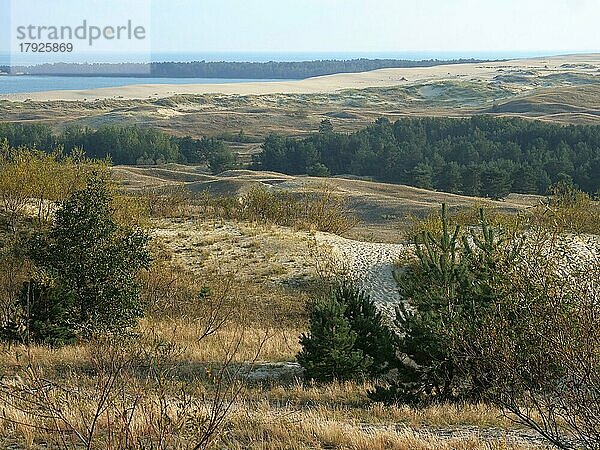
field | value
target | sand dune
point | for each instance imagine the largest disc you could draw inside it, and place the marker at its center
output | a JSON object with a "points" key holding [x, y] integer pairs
{"points": [[332, 83]]}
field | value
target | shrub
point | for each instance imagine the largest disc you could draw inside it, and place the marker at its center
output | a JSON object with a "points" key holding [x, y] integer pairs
{"points": [[14, 271], [321, 209], [542, 343], [507, 320], [29, 177], [347, 339], [316, 209], [569, 209], [318, 170]]}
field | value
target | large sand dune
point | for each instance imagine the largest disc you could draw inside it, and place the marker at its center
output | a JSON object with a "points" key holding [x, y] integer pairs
{"points": [[523, 68]]}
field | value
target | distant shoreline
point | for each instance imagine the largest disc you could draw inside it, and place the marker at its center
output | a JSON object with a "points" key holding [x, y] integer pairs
{"points": [[284, 70], [382, 78], [19, 84]]}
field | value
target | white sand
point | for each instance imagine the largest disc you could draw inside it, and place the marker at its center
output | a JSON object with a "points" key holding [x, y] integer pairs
{"points": [[324, 84], [372, 265]]}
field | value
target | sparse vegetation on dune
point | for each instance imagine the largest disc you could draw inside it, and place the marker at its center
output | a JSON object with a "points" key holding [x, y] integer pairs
{"points": [[557, 89]]}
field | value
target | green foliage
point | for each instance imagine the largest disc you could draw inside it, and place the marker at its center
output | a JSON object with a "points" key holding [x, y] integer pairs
{"points": [[46, 315], [86, 267], [221, 158], [347, 339], [326, 126], [374, 339], [318, 170], [422, 176], [449, 290], [565, 194], [479, 156], [329, 352], [123, 145], [239, 69]]}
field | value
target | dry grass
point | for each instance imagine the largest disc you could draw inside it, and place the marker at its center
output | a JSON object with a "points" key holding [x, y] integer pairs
{"points": [[256, 277], [363, 210], [316, 430], [269, 415], [261, 426]]}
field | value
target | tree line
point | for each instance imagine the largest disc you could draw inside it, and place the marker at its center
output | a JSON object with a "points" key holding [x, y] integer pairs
{"points": [[230, 69], [479, 156], [123, 144]]}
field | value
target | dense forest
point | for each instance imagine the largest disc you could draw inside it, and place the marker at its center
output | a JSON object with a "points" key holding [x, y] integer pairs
{"points": [[225, 69], [123, 145], [480, 156]]}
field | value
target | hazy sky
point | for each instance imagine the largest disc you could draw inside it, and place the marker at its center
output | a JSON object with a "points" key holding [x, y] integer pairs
{"points": [[377, 25], [357, 25]]}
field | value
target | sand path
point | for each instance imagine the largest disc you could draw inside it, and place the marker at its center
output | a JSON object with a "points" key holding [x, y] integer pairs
{"points": [[371, 264]]}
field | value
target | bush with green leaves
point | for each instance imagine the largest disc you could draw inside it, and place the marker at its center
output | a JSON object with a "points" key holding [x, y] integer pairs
{"points": [[448, 291], [347, 338], [86, 266]]}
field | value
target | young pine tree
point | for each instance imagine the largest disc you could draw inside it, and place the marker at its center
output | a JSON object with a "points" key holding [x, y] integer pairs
{"points": [[449, 290], [347, 339]]}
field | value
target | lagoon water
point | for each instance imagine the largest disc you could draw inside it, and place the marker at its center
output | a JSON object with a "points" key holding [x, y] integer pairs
{"points": [[25, 83]]}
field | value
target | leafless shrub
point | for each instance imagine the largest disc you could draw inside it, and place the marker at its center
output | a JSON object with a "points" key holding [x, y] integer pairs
{"points": [[321, 210], [176, 203], [135, 392], [317, 210]]}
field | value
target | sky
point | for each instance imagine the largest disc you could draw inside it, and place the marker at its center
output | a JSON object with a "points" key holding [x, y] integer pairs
{"points": [[378, 25], [400, 26]]}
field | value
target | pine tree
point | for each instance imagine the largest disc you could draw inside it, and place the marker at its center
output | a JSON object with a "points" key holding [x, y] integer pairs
{"points": [[347, 338], [328, 351], [374, 339], [448, 292]]}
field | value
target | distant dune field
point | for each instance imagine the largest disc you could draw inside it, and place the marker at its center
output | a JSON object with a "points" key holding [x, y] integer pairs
{"points": [[383, 210]]}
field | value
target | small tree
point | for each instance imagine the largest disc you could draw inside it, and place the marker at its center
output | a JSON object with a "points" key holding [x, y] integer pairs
{"points": [[221, 158], [86, 267], [374, 339], [448, 291], [318, 170], [325, 126], [347, 339]]}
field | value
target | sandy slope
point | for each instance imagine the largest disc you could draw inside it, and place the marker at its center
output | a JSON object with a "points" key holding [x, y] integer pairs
{"points": [[330, 83], [372, 265]]}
